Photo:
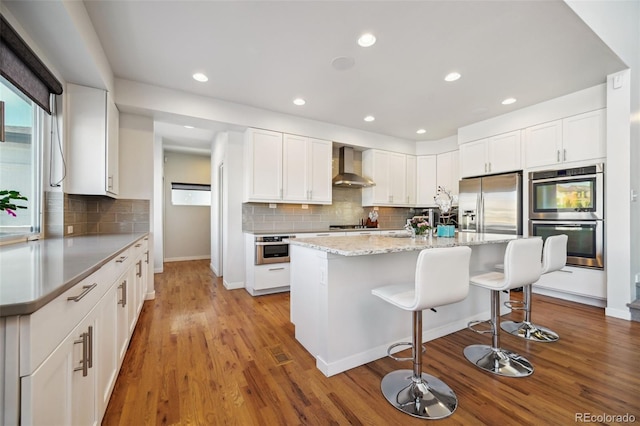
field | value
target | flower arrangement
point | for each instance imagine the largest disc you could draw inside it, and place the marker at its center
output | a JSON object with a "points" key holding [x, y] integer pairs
{"points": [[444, 199], [418, 226], [7, 205]]}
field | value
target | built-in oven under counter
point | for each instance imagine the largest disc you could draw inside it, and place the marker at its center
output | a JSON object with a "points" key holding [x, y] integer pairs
{"points": [[585, 239]]}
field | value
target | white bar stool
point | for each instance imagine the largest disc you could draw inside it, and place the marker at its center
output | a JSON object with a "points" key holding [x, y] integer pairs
{"points": [[442, 278], [521, 267], [554, 258]]}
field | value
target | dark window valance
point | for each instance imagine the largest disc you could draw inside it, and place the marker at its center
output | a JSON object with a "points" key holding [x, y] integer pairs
{"points": [[20, 65]]}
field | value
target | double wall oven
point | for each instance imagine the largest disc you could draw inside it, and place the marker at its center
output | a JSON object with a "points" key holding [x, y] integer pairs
{"points": [[571, 202]]}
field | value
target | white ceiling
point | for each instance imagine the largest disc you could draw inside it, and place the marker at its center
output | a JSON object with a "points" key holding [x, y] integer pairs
{"points": [[265, 54]]}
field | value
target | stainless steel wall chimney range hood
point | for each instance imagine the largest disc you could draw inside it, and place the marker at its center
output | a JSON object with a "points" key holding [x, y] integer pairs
{"points": [[346, 177]]}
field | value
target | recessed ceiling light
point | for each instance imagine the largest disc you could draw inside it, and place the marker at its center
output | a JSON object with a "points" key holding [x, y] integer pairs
{"points": [[299, 101], [200, 77], [509, 101], [367, 40], [452, 76], [188, 127], [421, 131], [369, 118]]}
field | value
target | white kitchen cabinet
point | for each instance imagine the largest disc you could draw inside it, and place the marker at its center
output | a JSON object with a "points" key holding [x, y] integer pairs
{"points": [[427, 180], [106, 348], [92, 121], [447, 171], [497, 154], [389, 171], [61, 390], [412, 179], [306, 170], [577, 138], [287, 168], [263, 162]]}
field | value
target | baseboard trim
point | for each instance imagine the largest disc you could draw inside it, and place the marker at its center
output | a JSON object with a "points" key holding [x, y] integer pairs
{"points": [[186, 258]]}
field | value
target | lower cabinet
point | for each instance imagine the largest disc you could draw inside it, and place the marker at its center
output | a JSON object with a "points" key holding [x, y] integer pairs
{"points": [[73, 383]]}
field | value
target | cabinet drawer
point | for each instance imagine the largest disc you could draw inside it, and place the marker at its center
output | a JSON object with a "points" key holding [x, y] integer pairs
{"points": [[271, 276], [42, 331]]}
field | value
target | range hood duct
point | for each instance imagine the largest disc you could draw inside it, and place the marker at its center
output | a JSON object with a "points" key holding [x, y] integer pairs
{"points": [[346, 177]]}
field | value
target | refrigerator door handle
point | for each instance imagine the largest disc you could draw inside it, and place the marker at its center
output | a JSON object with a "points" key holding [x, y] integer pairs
{"points": [[480, 210]]}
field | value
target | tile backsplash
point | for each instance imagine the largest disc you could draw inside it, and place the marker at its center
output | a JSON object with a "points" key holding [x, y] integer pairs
{"points": [[91, 215], [346, 209]]}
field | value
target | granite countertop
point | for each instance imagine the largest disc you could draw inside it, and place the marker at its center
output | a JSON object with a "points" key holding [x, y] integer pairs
{"points": [[380, 244], [36, 272], [316, 231]]}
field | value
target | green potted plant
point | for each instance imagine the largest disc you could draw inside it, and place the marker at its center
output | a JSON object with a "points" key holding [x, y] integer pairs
{"points": [[9, 206]]}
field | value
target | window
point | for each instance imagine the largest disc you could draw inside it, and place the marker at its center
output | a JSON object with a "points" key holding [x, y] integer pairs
{"points": [[190, 194], [20, 162]]}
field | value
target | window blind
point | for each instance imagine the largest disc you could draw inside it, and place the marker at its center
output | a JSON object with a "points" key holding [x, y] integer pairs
{"points": [[22, 67]]}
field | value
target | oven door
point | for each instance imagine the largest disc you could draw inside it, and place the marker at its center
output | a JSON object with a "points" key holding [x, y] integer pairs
{"points": [[567, 198], [584, 244], [271, 252]]}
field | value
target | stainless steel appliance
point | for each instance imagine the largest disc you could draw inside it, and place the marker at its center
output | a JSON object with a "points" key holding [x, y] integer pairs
{"points": [[491, 204], [272, 249], [568, 194], [571, 202]]}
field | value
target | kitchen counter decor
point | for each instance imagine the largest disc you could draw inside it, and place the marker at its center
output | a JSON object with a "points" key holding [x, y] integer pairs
{"points": [[444, 200], [419, 227]]}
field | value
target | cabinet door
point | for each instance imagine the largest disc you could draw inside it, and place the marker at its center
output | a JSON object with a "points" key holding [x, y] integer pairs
{"points": [[543, 144], [112, 141], [86, 120], [473, 158], [397, 173], [60, 391], [264, 165], [106, 348], [375, 164], [411, 181], [320, 153], [426, 186], [504, 153], [295, 175], [447, 171], [584, 136]]}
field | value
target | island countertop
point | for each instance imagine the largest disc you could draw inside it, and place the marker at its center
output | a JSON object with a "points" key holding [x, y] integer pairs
{"points": [[34, 273], [380, 244]]}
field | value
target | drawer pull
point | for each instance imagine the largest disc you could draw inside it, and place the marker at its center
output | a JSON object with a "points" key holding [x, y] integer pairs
{"points": [[123, 287], [139, 272], [276, 269], [138, 245], [121, 259], [84, 364], [147, 259], [87, 289]]}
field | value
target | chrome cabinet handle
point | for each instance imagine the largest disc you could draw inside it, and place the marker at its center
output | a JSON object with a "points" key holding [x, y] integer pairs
{"points": [[121, 259], [322, 235], [110, 182], [146, 260], [564, 155], [139, 266], [123, 287], [90, 346], [87, 289], [138, 245], [276, 269], [84, 363], [558, 156]]}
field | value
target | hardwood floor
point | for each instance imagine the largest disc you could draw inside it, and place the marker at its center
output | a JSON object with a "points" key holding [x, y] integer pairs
{"points": [[204, 355]]}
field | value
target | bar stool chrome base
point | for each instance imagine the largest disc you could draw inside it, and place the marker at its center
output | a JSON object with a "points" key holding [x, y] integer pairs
{"points": [[429, 398], [498, 361], [529, 331]]}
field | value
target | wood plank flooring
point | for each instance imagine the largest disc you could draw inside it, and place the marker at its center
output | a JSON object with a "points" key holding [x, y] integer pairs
{"points": [[204, 355]]}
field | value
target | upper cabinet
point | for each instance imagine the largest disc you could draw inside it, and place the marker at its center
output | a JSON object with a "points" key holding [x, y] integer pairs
{"points": [[390, 173], [93, 126], [497, 154], [427, 184], [577, 138], [447, 171], [287, 168]]}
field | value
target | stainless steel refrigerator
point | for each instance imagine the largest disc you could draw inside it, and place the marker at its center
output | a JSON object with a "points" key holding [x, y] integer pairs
{"points": [[491, 204]]}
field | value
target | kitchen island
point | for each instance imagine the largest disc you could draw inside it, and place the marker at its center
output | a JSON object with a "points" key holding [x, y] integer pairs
{"points": [[343, 325]]}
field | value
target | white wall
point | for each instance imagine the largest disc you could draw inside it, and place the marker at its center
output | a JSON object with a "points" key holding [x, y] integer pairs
{"points": [[173, 102], [617, 23], [187, 229], [218, 148], [233, 243], [158, 204]]}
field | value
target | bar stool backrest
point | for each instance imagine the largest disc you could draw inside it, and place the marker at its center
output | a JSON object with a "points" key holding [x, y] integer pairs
{"points": [[522, 263], [442, 277], [554, 254]]}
